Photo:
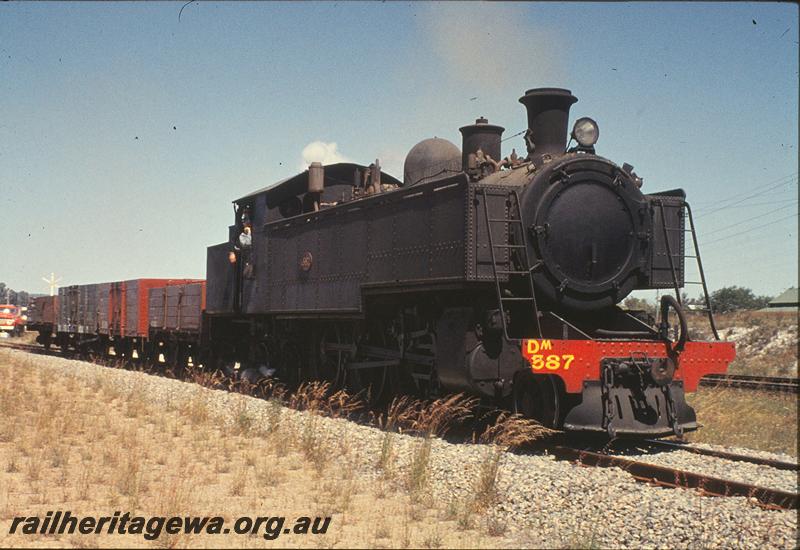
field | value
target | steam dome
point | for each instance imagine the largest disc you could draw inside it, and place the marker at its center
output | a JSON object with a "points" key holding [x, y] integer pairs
{"points": [[430, 160]]}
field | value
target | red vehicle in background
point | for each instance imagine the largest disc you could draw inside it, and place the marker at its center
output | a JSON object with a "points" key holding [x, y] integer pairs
{"points": [[12, 319]]}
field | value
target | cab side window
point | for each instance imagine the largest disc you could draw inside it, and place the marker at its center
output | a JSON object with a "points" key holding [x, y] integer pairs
{"points": [[242, 254]]}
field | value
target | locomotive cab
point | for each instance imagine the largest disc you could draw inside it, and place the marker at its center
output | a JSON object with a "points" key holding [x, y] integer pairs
{"points": [[233, 290]]}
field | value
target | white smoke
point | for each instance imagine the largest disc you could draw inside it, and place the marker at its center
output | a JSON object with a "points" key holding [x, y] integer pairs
{"points": [[492, 46], [319, 151]]}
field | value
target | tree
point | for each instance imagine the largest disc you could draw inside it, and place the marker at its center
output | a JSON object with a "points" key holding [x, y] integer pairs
{"points": [[640, 304], [634, 303], [10, 296], [734, 298]]}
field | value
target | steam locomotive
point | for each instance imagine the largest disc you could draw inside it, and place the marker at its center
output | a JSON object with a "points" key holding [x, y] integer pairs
{"points": [[496, 276]]}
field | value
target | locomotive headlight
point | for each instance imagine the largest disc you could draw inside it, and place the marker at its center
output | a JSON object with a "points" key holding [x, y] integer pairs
{"points": [[585, 132]]}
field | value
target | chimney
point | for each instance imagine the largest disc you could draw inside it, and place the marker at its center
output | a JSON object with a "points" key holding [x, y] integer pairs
{"points": [[483, 136], [548, 116], [316, 178]]}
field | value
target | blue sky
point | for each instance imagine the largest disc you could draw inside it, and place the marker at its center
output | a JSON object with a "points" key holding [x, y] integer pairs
{"points": [[125, 133]]}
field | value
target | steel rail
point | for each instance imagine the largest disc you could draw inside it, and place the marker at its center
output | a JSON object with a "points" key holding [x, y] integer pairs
{"points": [[772, 463], [671, 477], [750, 382], [24, 346]]}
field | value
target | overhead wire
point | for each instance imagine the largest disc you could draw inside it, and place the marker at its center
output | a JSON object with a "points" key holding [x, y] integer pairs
{"points": [[740, 222], [761, 264], [734, 196], [773, 222], [754, 204], [751, 250], [746, 243], [514, 135], [753, 195]]}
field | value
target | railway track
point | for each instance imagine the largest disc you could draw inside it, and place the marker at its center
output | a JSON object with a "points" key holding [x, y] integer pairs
{"points": [[671, 477], [34, 348], [679, 446], [642, 471], [750, 382]]}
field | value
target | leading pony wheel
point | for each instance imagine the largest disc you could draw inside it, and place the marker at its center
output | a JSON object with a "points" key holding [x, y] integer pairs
{"points": [[536, 396]]}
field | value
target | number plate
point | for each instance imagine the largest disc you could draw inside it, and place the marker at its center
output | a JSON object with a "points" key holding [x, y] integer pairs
{"points": [[540, 356]]}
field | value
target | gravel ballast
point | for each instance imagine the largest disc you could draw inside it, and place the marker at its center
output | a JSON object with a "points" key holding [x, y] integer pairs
{"points": [[542, 502]]}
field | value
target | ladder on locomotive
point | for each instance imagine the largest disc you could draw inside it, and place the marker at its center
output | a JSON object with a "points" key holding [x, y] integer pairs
{"points": [[686, 212], [513, 218]]}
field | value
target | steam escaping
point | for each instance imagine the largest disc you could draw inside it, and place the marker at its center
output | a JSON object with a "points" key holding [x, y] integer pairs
{"points": [[319, 151], [494, 46]]}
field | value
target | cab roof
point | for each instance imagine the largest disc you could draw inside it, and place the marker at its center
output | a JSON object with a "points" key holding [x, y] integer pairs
{"points": [[293, 186]]}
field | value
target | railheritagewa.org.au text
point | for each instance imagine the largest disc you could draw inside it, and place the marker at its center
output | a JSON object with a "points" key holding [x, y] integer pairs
{"points": [[64, 522]]}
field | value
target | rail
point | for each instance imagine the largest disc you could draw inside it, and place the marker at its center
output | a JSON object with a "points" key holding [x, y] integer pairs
{"points": [[672, 477], [750, 382], [704, 451]]}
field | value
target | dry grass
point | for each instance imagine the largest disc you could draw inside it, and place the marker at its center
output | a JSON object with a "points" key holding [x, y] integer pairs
{"points": [[428, 418], [511, 431], [771, 319], [508, 431], [318, 397], [766, 342], [92, 448], [746, 418]]}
